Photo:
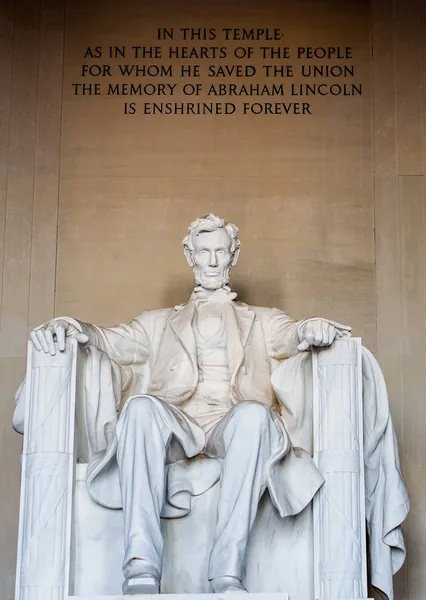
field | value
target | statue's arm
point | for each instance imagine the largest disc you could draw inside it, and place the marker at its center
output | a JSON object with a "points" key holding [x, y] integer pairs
{"points": [[281, 332], [126, 344], [285, 336]]}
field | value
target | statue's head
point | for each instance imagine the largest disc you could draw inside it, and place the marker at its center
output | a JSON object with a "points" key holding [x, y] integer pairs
{"points": [[211, 249]]}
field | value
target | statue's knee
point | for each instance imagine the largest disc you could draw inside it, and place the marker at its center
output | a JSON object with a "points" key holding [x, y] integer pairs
{"points": [[141, 407], [253, 415]]}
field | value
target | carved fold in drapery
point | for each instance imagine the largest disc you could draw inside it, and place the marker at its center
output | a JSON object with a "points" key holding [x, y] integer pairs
{"points": [[339, 507], [47, 475]]}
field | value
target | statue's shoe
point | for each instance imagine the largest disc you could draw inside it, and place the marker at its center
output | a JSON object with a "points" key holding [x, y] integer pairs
{"points": [[221, 585], [142, 584]]}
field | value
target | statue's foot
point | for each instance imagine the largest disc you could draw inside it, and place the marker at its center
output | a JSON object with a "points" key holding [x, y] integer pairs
{"points": [[141, 577], [220, 585], [142, 584]]}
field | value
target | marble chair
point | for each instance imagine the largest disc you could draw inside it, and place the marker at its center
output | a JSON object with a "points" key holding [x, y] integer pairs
{"points": [[69, 546]]}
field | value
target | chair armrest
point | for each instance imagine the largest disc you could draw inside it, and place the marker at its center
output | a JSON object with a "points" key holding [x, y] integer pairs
{"points": [[47, 474], [340, 560]]}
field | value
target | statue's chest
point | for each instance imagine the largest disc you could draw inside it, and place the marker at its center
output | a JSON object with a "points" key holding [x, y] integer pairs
{"points": [[209, 324]]}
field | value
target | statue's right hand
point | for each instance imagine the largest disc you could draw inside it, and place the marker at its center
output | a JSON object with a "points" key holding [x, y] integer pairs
{"points": [[52, 336]]}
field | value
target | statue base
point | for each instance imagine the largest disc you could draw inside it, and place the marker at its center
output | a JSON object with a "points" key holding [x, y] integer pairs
{"points": [[225, 596]]}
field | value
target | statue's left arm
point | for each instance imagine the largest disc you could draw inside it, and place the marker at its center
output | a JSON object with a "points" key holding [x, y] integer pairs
{"points": [[286, 337], [126, 344]]}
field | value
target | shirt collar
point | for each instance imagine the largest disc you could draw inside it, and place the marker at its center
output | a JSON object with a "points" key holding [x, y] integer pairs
{"points": [[219, 296]]}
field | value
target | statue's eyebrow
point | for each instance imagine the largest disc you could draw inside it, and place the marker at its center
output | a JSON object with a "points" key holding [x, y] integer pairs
{"points": [[215, 249]]}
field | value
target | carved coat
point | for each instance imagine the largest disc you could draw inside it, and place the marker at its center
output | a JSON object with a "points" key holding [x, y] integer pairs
{"points": [[156, 354], [163, 340]]}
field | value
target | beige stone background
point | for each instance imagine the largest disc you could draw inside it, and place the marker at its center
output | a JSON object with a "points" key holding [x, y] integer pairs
{"points": [[331, 207]]}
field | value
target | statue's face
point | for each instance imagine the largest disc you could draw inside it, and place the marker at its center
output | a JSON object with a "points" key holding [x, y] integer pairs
{"points": [[212, 258]]}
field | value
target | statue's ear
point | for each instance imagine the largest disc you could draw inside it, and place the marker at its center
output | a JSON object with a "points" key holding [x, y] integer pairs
{"points": [[235, 257], [188, 256]]}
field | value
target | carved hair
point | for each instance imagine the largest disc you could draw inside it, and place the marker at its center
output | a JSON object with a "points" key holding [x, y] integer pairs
{"points": [[211, 222]]}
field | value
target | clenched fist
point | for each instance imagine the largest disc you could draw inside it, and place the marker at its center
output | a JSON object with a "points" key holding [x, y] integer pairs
{"points": [[320, 332]]}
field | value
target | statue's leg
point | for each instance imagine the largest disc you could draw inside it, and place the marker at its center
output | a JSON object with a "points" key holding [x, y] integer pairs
{"points": [[143, 437], [246, 439]]}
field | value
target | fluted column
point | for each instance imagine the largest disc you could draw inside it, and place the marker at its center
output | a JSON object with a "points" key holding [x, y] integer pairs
{"points": [[339, 506], [47, 475]]}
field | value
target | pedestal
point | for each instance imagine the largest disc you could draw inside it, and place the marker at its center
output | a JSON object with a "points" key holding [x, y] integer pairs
{"points": [[227, 596]]}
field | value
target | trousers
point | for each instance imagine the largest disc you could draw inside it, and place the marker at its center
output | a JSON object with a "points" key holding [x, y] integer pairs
{"points": [[245, 439]]}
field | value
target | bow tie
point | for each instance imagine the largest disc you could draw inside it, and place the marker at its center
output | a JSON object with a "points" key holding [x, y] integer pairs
{"points": [[220, 296]]}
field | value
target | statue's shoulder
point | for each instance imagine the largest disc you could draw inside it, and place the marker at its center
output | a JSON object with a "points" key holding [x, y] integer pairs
{"points": [[262, 312], [154, 315]]}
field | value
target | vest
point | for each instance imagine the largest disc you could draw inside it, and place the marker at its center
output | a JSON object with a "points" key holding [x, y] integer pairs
{"points": [[211, 399]]}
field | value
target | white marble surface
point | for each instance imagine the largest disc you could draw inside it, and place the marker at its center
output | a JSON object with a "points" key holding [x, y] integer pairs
{"points": [[279, 553], [213, 357], [261, 596], [210, 359], [339, 506], [44, 540]]}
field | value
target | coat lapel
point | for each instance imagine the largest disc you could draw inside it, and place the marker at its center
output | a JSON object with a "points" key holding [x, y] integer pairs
{"points": [[181, 324], [245, 318], [239, 324]]}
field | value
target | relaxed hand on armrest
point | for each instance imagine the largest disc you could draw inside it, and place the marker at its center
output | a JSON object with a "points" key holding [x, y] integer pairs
{"points": [[52, 335]]}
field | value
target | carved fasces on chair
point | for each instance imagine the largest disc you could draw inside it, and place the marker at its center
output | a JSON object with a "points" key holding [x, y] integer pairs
{"points": [[47, 475], [339, 506]]}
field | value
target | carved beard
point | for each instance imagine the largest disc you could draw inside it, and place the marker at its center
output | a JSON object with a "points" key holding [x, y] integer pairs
{"points": [[211, 283]]}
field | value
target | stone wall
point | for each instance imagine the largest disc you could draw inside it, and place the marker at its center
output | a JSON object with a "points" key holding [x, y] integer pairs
{"points": [[331, 206]]}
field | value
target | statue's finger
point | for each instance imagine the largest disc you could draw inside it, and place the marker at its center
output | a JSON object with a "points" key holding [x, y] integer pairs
{"points": [[48, 336], [339, 326], [35, 341], [309, 337], [60, 337], [343, 334], [303, 346], [326, 329], [42, 340], [82, 338], [318, 336], [329, 333]]}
